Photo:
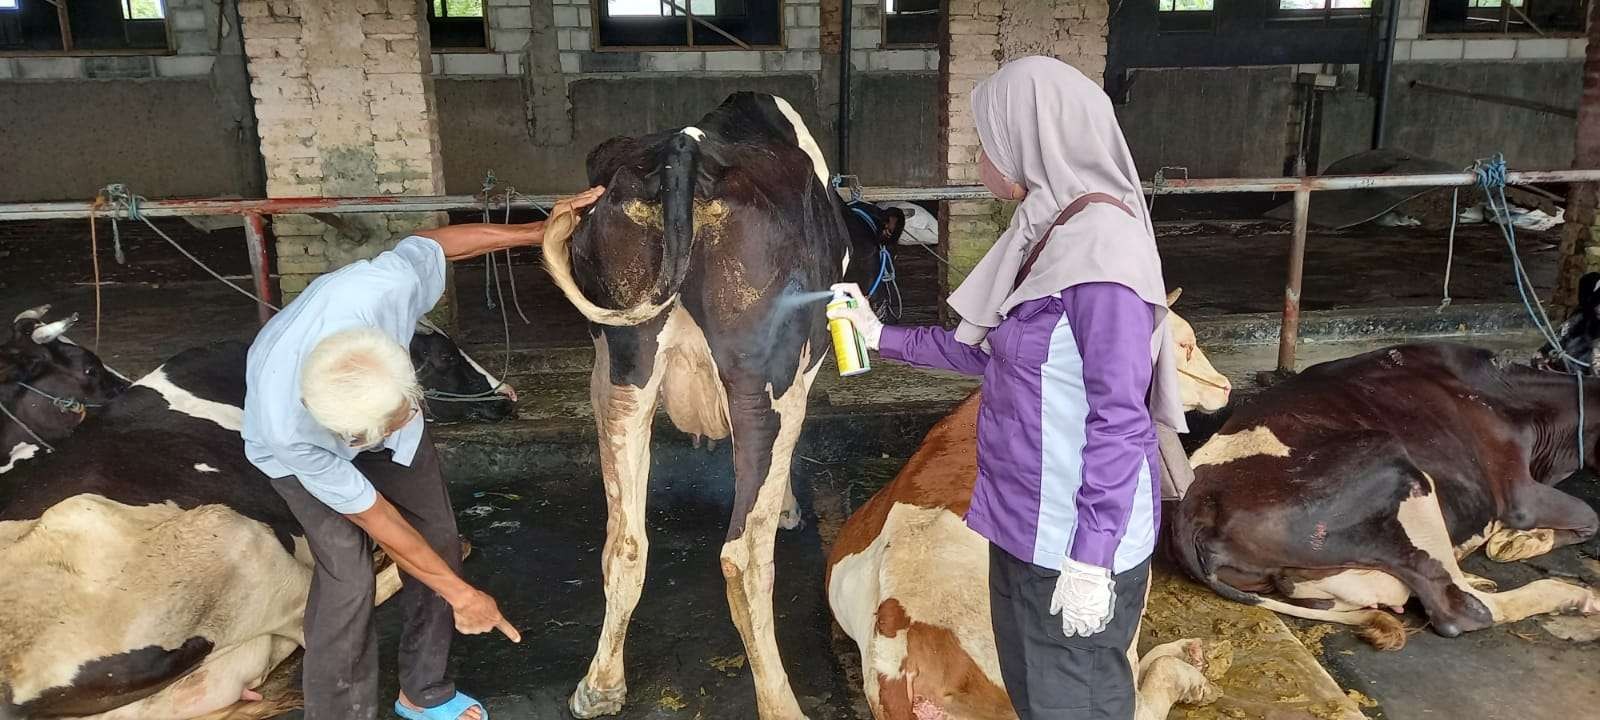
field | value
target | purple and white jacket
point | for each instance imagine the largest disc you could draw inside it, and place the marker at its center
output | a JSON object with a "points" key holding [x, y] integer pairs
{"points": [[1066, 446]]}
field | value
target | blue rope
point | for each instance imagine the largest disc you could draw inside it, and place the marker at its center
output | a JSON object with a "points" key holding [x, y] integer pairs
{"points": [[1491, 173], [884, 265]]}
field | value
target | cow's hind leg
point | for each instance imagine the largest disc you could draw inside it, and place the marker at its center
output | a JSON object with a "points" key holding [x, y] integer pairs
{"points": [[1540, 519], [766, 425], [623, 412]]}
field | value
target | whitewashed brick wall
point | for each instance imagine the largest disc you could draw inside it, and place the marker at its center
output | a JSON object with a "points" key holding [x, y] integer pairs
{"points": [[341, 118], [192, 24], [1413, 44]]}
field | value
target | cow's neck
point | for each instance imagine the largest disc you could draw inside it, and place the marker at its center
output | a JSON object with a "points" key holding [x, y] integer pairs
{"points": [[1552, 402]]}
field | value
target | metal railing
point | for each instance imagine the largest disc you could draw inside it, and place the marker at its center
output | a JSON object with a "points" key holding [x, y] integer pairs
{"points": [[254, 212]]}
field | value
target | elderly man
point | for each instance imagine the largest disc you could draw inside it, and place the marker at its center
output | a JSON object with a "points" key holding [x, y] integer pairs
{"points": [[332, 414]]}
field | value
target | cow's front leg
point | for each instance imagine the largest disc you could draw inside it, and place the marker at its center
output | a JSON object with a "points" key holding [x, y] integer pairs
{"points": [[766, 425], [623, 413]]}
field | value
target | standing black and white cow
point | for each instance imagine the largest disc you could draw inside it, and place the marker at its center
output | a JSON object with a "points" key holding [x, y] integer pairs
{"points": [[47, 385], [156, 573], [695, 268]]}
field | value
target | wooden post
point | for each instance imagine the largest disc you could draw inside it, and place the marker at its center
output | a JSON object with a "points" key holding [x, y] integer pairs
{"points": [[1582, 198]]}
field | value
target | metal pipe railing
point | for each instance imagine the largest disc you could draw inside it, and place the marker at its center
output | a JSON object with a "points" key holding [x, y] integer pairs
{"points": [[255, 210]]}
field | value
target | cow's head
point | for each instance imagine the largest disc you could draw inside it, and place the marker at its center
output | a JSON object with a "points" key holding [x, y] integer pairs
{"points": [[47, 381], [1202, 387], [1580, 332], [455, 387], [874, 236]]}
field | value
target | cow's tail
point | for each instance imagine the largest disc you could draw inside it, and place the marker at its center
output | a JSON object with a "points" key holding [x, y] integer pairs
{"points": [[678, 173], [1191, 546]]}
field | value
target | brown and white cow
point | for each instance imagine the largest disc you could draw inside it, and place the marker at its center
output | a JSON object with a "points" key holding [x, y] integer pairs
{"points": [[908, 582], [149, 571], [1359, 483], [699, 269]]}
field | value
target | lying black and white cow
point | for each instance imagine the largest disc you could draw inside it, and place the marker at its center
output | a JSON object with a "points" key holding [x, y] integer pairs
{"points": [[149, 570], [47, 385], [695, 268], [1339, 494]]}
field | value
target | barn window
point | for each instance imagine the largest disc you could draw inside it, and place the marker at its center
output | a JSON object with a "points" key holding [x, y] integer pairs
{"points": [[457, 24], [1185, 15], [1324, 9], [119, 26], [910, 23], [689, 23], [1529, 17]]}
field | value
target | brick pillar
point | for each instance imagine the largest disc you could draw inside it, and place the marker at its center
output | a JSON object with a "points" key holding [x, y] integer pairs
{"points": [[344, 98], [1580, 240], [980, 36]]}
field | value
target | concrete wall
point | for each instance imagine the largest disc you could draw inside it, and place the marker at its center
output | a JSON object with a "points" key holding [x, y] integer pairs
{"points": [[1171, 119], [171, 124]]}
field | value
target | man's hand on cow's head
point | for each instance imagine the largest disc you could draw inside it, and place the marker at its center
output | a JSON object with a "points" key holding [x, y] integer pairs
{"points": [[477, 613]]}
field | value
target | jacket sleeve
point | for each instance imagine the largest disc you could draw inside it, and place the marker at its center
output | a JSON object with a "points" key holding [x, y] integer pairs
{"points": [[1112, 327], [931, 347]]}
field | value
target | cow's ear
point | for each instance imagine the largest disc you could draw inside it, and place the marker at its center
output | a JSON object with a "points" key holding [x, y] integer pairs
{"points": [[894, 223]]}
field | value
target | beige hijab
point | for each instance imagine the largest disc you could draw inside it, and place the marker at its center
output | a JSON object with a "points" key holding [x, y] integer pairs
{"points": [[1052, 130]]}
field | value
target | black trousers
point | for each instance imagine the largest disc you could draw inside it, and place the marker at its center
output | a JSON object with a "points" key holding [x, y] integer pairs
{"points": [[1049, 675], [341, 662]]}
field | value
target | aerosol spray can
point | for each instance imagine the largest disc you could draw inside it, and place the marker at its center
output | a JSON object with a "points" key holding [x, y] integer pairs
{"points": [[849, 349]]}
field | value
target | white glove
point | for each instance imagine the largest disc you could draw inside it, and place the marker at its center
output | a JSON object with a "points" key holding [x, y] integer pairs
{"points": [[861, 315], [1084, 597]]}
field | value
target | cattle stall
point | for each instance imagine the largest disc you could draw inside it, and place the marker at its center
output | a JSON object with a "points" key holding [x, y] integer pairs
{"points": [[526, 490]]}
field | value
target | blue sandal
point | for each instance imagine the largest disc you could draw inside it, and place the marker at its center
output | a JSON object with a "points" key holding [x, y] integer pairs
{"points": [[450, 710]]}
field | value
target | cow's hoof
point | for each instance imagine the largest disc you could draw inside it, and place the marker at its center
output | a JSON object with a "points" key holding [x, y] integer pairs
{"points": [[590, 703], [1591, 605], [1203, 694], [1447, 629]]}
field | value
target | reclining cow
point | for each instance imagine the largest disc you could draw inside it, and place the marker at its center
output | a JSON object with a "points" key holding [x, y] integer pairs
{"points": [[150, 570], [1361, 482], [907, 581], [47, 385], [695, 268]]}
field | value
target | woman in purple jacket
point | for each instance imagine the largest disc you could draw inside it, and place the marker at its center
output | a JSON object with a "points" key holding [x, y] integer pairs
{"points": [[1065, 320]]}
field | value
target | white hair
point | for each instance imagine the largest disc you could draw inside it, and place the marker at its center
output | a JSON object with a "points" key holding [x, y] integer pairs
{"points": [[355, 381]]}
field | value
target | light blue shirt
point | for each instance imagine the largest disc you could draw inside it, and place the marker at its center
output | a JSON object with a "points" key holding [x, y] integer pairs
{"points": [[391, 293]]}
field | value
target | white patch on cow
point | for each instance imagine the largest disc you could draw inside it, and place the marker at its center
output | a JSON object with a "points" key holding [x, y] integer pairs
{"points": [[845, 266], [174, 574], [22, 451], [806, 142], [1224, 449], [915, 544], [1355, 590], [694, 132], [183, 401], [202, 467]]}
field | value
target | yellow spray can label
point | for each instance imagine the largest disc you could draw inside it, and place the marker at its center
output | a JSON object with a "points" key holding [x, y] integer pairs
{"points": [[849, 349]]}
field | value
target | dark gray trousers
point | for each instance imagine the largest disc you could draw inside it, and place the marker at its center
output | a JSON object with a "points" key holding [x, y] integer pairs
{"points": [[341, 662], [1049, 675]]}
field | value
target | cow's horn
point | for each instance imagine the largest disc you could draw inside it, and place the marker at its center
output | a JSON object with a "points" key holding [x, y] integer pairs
{"points": [[37, 313], [1173, 296], [45, 334]]}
